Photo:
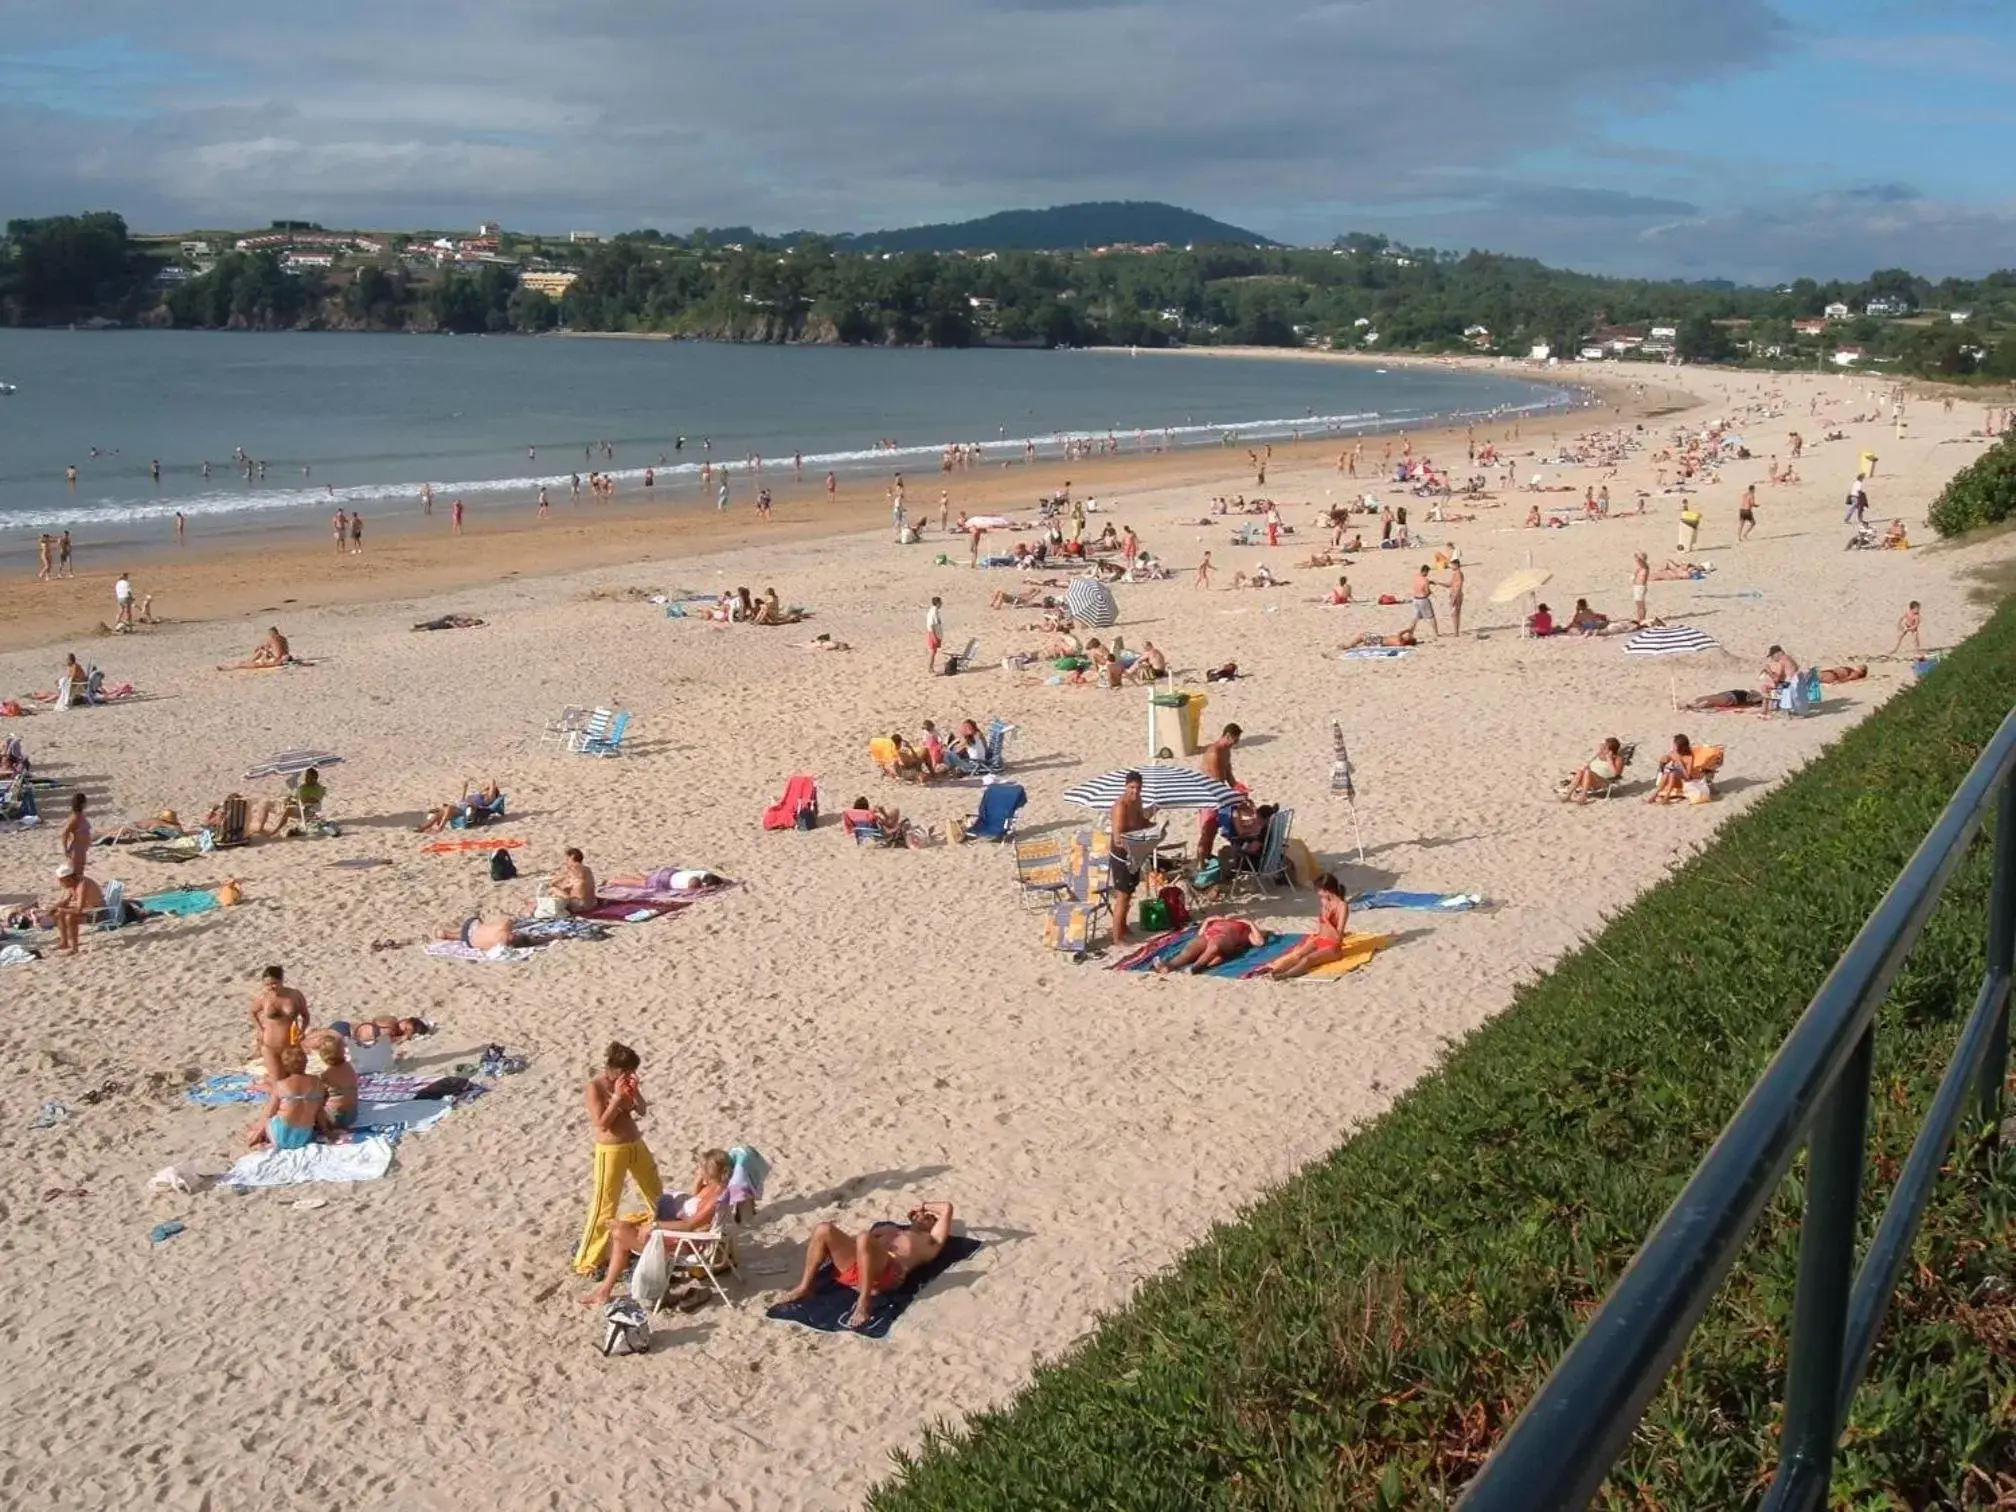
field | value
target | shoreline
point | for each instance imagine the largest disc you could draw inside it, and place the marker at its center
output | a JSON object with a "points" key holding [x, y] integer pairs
{"points": [[293, 566]]}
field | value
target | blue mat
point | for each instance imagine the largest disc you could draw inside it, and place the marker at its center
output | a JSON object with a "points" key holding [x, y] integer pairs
{"points": [[1425, 901], [831, 1304], [1374, 653], [221, 1090], [182, 903]]}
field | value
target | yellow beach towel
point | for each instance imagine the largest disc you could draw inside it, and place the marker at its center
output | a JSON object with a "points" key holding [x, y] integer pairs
{"points": [[1358, 949]]}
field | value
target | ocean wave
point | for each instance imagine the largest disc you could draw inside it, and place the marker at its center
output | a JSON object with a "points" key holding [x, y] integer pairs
{"points": [[222, 503]]}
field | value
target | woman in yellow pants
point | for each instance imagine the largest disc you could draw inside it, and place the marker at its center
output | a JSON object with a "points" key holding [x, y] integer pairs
{"points": [[614, 1101]]}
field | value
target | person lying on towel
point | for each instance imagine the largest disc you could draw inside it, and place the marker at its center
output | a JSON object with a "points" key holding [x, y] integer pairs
{"points": [[877, 1261], [1401, 638], [1218, 941]]}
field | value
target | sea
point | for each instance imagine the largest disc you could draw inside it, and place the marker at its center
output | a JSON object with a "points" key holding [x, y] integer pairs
{"points": [[363, 421]]}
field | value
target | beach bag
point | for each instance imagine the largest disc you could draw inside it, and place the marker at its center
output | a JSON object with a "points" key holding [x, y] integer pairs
{"points": [[1172, 901], [807, 816], [955, 831], [651, 1277], [625, 1328], [501, 867], [1154, 915]]}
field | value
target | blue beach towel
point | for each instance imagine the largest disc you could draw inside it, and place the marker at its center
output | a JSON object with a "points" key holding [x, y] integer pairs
{"points": [[1424, 901], [1374, 653], [830, 1305], [181, 903]]}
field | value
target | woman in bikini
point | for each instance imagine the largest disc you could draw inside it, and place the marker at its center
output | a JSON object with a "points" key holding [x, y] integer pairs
{"points": [[279, 1019], [1333, 912], [294, 1107], [1675, 772]]}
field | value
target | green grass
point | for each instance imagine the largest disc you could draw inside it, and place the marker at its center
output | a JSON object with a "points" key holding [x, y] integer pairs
{"points": [[1362, 1335]]}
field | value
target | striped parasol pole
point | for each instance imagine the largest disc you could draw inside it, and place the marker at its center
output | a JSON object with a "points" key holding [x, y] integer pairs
{"points": [[1341, 782]]}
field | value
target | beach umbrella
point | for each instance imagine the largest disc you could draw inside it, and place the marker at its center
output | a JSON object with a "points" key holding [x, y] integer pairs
{"points": [[989, 522], [1525, 581], [293, 763], [1668, 640], [1164, 787], [1091, 602], [1341, 781]]}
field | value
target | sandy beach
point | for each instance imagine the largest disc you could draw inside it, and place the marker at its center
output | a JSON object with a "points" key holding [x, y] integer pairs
{"points": [[886, 1026]]}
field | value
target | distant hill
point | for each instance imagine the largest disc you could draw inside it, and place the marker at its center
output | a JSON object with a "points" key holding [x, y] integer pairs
{"points": [[1060, 228]]}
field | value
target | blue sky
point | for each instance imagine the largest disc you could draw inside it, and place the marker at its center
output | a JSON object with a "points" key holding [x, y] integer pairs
{"points": [[1752, 139]]}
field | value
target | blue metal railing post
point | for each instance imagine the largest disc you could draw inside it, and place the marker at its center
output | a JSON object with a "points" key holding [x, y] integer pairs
{"points": [[1826, 1272], [2001, 956]]}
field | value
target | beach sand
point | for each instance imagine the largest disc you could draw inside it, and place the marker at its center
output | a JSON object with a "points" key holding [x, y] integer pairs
{"points": [[885, 1026]]}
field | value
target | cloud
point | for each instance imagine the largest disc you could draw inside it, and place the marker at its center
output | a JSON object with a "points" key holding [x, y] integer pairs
{"points": [[595, 112], [1883, 194], [1589, 204]]}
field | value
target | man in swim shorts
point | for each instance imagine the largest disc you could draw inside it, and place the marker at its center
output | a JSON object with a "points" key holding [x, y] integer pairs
{"points": [[1424, 600], [877, 1261]]}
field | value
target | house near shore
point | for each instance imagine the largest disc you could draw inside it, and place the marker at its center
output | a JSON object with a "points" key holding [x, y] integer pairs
{"points": [[551, 282], [1848, 356], [1837, 311], [1959, 317], [307, 262], [1541, 352], [1887, 307]]}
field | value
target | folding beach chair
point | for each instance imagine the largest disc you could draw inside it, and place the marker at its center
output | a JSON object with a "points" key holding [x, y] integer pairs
{"points": [[230, 828], [865, 831], [798, 808], [1271, 870], [706, 1254], [17, 799], [585, 742], [994, 759], [569, 722], [1039, 871], [999, 805], [1801, 695], [475, 813]]}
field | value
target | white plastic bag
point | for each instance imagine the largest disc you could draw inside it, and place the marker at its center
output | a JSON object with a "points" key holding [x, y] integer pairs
{"points": [[651, 1278]]}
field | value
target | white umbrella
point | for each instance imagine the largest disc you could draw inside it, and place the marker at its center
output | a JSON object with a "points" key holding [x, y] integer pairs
{"points": [[1341, 781], [293, 763], [1668, 640], [1162, 787], [1526, 580], [1091, 602]]}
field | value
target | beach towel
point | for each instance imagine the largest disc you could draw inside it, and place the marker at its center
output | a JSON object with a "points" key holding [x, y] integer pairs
{"points": [[167, 853], [1374, 653], [748, 1171], [450, 847], [1421, 901], [561, 927], [389, 1120], [181, 903], [800, 792], [361, 1160], [455, 950], [629, 910], [1358, 949], [372, 1087], [830, 1304], [617, 892]]}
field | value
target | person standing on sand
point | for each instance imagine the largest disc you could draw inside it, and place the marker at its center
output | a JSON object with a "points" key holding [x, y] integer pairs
{"points": [[934, 633], [1424, 600], [76, 829], [181, 529], [1216, 763], [1641, 574], [1908, 626], [897, 513], [457, 508], [1203, 578], [545, 504], [832, 483], [356, 535], [45, 548], [340, 525], [426, 498], [1455, 587], [1746, 513], [1128, 816], [721, 493], [797, 467], [614, 1102], [944, 510], [122, 595]]}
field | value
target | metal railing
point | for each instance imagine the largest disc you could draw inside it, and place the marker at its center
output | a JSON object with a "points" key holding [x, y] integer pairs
{"points": [[1816, 1088]]}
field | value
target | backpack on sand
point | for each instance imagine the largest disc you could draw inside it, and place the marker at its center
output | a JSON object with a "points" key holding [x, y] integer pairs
{"points": [[501, 867], [625, 1329]]}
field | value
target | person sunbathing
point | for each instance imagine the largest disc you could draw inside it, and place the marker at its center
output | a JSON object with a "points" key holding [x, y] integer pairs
{"points": [[1325, 944], [270, 652], [573, 886], [691, 1212], [1676, 770], [1324, 558], [1895, 538], [1261, 578], [1217, 941], [877, 1261], [295, 1104], [1367, 638], [374, 1043], [1602, 769], [331, 1051], [1732, 698], [1339, 595], [1675, 571], [769, 611], [471, 809], [1843, 674], [824, 643], [896, 830], [1585, 621], [484, 935]]}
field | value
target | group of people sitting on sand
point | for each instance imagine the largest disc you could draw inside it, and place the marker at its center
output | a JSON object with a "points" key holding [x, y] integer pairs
{"points": [[303, 1105], [739, 607]]}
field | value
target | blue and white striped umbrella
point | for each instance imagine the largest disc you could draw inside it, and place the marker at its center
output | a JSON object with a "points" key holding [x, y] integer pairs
{"points": [[1164, 787], [293, 763], [1668, 640], [1091, 602]]}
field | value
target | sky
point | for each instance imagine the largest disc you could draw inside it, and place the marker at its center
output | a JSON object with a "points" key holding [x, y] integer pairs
{"points": [[1758, 140]]}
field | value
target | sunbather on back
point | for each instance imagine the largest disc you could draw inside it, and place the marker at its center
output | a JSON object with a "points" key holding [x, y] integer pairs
{"points": [[877, 1261]]}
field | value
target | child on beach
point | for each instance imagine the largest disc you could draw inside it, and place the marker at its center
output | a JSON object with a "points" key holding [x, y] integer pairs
{"points": [[1907, 627], [614, 1102]]}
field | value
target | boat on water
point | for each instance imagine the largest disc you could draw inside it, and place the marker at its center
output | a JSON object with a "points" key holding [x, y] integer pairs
{"points": [[7, 388]]}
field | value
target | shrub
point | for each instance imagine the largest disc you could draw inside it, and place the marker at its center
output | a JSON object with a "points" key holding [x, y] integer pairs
{"points": [[1982, 493]]}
